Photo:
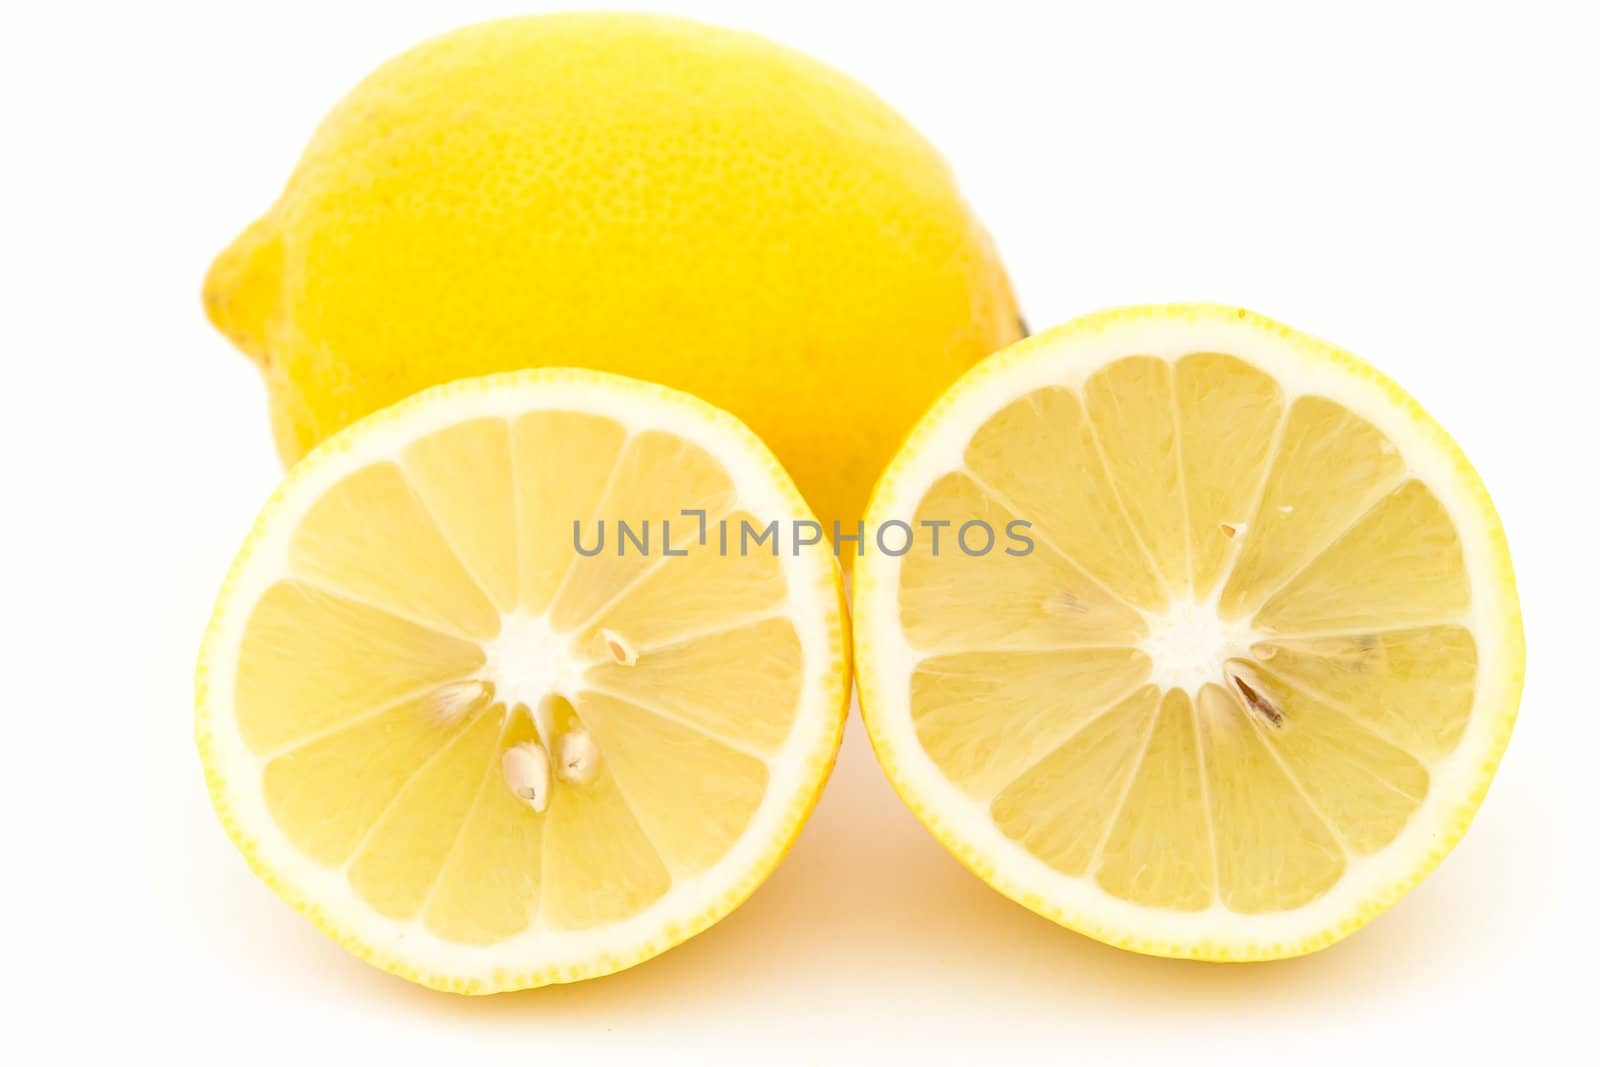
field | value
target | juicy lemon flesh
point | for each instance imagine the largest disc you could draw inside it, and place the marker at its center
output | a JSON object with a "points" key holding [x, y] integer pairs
{"points": [[1223, 675], [434, 614]]}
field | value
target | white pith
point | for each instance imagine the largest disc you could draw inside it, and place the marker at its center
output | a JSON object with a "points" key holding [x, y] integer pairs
{"points": [[1185, 643], [526, 664], [1190, 641]]}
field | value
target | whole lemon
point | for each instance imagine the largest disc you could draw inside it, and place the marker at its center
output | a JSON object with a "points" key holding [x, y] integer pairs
{"points": [[650, 196]]}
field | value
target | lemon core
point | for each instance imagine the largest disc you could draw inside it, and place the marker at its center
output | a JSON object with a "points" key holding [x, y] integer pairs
{"points": [[1191, 644]]}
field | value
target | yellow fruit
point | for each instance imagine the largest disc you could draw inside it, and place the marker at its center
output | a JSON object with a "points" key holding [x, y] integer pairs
{"points": [[643, 195], [1254, 677], [483, 760]]}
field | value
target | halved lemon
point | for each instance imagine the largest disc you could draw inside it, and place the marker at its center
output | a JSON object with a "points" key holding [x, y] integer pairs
{"points": [[1228, 653], [483, 748]]}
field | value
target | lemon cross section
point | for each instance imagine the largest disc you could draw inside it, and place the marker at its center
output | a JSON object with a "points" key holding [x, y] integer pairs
{"points": [[482, 759], [1253, 679]]}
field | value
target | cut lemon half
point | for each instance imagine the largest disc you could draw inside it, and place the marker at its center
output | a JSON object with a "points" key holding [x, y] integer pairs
{"points": [[1230, 647], [482, 747]]}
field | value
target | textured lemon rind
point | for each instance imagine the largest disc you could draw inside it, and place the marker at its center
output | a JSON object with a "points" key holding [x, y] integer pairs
{"points": [[818, 764], [1499, 707], [700, 194]]}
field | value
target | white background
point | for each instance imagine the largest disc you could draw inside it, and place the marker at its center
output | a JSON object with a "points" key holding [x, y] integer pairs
{"points": [[1415, 183]]}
